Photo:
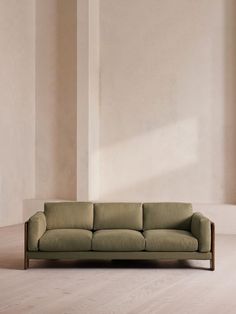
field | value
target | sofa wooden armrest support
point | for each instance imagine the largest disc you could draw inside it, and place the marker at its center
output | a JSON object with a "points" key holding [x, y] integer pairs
{"points": [[26, 258], [83, 230], [212, 261]]}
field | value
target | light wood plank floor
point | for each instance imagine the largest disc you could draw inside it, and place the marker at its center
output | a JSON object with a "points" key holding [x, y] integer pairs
{"points": [[115, 287]]}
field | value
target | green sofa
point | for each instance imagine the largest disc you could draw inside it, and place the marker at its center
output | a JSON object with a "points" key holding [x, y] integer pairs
{"points": [[83, 230]]}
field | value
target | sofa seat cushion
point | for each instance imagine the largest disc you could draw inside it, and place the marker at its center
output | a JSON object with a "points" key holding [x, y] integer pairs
{"points": [[170, 240], [63, 240], [118, 240]]}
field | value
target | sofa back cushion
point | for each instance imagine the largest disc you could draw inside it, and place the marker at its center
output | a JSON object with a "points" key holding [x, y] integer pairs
{"points": [[167, 216], [65, 215], [118, 216]]}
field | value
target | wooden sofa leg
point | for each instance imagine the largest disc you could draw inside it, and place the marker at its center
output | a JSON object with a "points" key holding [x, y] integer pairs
{"points": [[212, 264], [26, 259], [26, 263], [212, 261]]}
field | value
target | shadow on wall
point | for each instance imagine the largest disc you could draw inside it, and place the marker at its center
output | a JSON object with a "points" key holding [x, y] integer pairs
{"points": [[170, 159], [164, 99], [56, 31], [230, 101]]}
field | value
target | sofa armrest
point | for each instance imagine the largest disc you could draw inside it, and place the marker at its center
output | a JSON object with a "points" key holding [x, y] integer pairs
{"points": [[36, 228], [201, 229]]}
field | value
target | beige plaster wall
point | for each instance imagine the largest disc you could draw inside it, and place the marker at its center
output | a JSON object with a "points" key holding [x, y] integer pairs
{"points": [[88, 83], [82, 100], [56, 32], [38, 103], [17, 112], [167, 100], [164, 114]]}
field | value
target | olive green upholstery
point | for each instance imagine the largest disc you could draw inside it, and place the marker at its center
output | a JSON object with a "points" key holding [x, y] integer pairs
{"points": [[118, 240], [170, 240], [167, 216], [36, 228], [118, 216], [83, 230], [69, 215], [201, 229], [62, 240]]}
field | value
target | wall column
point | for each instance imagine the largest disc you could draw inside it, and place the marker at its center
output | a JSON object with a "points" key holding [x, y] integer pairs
{"points": [[87, 99]]}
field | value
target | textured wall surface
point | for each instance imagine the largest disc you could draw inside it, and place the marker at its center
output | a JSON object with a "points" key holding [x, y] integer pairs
{"points": [[168, 76], [17, 112], [56, 31], [130, 101], [38, 103]]}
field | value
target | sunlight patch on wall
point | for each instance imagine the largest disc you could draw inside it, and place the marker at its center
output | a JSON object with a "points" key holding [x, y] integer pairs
{"points": [[156, 153]]}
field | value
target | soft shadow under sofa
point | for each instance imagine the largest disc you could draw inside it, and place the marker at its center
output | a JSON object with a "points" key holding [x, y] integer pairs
{"points": [[83, 230]]}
